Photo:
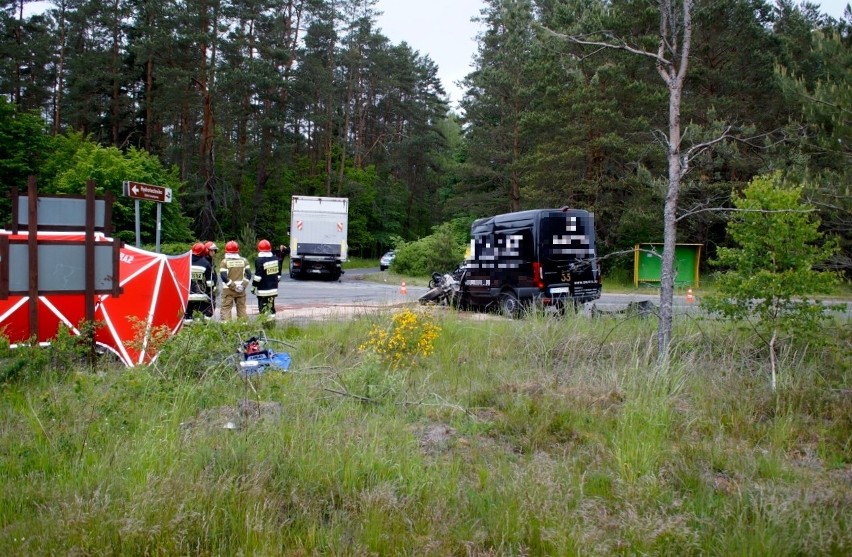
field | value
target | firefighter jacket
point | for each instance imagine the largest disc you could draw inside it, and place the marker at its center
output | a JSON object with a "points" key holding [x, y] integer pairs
{"points": [[209, 258], [201, 279], [266, 271], [235, 273]]}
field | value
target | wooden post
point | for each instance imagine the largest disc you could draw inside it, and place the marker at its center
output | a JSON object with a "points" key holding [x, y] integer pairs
{"points": [[90, 251], [90, 272], [4, 267], [32, 252], [16, 218]]}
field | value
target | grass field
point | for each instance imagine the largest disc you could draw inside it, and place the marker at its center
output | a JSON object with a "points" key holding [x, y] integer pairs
{"points": [[425, 433]]}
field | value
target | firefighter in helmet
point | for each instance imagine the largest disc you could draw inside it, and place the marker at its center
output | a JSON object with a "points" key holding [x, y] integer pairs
{"points": [[201, 284], [235, 274], [265, 281], [282, 252], [212, 249]]}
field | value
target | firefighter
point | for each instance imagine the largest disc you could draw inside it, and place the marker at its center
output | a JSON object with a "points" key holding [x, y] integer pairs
{"points": [[265, 281], [212, 249], [282, 252], [235, 274], [201, 284]]}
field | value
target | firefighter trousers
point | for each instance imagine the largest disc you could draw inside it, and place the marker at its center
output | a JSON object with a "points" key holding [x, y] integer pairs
{"points": [[266, 304], [229, 300]]}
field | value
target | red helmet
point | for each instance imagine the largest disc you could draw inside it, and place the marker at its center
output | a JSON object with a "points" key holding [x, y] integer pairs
{"points": [[264, 245], [198, 249], [211, 246], [232, 247]]}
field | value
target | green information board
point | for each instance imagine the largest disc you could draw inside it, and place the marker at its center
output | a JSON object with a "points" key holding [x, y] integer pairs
{"points": [[648, 264]]}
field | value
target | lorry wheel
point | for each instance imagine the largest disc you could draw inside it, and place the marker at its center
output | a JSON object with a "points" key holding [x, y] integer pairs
{"points": [[510, 306]]}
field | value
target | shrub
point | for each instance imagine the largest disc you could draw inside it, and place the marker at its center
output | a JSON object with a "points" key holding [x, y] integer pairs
{"points": [[440, 251], [410, 336], [771, 270]]}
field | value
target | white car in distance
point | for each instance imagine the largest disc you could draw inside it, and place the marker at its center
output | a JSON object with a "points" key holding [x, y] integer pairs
{"points": [[386, 260]]}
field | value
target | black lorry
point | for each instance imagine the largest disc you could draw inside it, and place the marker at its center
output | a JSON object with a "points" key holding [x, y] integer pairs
{"points": [[544, 256]]}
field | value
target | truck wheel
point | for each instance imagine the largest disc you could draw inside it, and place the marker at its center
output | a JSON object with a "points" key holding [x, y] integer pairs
{"points": [[510, 306]]}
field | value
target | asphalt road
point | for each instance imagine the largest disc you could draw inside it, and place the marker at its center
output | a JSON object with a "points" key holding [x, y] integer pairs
{"points": [[352, 294]]}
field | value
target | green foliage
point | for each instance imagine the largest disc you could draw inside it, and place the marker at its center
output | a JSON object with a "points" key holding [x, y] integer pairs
{"points": [[21, 363], [551, 437], [645, 423], [22, 147], [546, 122], [772, 271], [486, 446], [440, 251], [815, 74], [247, 241], [67, 351], [171, 248], [408, 338], [22, 144], [205, 348], [73, 160]]}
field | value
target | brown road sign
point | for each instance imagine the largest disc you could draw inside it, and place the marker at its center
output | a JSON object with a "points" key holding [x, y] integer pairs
{"points": [[138, 190]]}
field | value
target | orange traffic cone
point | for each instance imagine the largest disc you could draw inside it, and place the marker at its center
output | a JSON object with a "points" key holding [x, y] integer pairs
{"points": [[690, 298], [402, 289]]}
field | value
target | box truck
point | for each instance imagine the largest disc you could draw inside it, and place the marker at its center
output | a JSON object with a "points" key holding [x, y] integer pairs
{"points": [[318, 231]]}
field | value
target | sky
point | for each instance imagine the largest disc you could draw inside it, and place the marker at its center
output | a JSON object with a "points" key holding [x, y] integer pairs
{"points": [[443, 30]]}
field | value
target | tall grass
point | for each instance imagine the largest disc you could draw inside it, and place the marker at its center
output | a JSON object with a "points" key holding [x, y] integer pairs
{"points": [[539, 436]]}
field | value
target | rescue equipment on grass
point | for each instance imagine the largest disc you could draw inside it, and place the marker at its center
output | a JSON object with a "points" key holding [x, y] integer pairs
{"points": [[256, 356]]}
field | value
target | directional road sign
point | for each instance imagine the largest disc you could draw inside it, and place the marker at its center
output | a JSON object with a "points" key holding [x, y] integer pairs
{"points": [[138, 190]]}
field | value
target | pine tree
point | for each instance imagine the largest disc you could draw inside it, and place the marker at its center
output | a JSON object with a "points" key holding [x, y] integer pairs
{"points": [[498, 92], [771, 270]]}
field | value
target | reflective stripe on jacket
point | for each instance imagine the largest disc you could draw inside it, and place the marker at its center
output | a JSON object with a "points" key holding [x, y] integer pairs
{"points": [[234, 270], [201, 279], [266, 274]]}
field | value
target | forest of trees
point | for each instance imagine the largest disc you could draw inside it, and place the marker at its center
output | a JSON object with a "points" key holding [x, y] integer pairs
{"points": [[247, 102]]}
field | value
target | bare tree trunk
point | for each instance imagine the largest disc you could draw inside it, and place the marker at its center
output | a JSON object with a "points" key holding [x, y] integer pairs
{"points": [[514, 176], [667, 277], [328, 143], [149, 109], [185, 134], [262, 167], [672, 60], [60, 73], [360, 133], [344, 134], [115, 108], [208, 123], [19, 41], [772, 360], [672, 63]]}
